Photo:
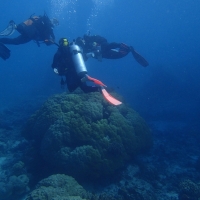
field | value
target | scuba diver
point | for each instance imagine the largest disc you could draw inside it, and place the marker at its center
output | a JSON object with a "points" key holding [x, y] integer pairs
{"points": [[98, 47], [36, 28], [68, 61], [74, 70]]}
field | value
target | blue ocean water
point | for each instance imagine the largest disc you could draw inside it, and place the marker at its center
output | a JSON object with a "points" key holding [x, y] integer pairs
{"points": [[166, 93], [166, 34]]}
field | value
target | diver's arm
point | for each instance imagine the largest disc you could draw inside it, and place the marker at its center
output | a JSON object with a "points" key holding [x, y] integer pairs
{"points": [[56, 59]]}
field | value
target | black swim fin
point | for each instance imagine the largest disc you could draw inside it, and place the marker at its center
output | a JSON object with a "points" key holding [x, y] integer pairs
{"points": [[4, 51], [9, 30], [142, 61]]}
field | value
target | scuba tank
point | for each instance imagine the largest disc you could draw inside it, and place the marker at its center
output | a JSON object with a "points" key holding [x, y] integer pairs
{"points": [[78, 59]]}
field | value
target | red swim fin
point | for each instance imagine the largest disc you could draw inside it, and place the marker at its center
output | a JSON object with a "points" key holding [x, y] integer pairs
{"points": [[110, 98], [96, 81], [106, 95]]}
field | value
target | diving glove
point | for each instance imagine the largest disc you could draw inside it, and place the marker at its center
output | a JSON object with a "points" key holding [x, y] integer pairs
{"points": [[90, 55], [55, 71]]}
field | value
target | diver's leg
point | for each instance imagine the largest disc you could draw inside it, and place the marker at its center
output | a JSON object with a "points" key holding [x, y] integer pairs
{"points": [[115, 50], [113, 45], [87, 89], [15, 41], [72, 81]]}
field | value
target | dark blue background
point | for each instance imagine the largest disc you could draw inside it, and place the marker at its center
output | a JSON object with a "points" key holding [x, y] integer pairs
{"points": [[166, 33]]}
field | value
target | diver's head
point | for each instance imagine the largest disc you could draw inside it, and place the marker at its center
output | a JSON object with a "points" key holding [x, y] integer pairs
{"points": [[54, 22], [63, 42]]}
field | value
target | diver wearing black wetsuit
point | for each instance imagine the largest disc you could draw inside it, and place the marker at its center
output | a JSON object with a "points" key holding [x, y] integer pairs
{"points": [[98, 47], [39, 29], [35, 28], [63, 65]]}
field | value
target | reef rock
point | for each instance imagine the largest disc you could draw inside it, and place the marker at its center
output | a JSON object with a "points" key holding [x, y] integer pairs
{"points": [[58, 187], [85, 136]]}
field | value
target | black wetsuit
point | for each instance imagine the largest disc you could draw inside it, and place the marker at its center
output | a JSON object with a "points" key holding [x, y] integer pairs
{"points": [[39, 30], [107, 50], [63, 62]]}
